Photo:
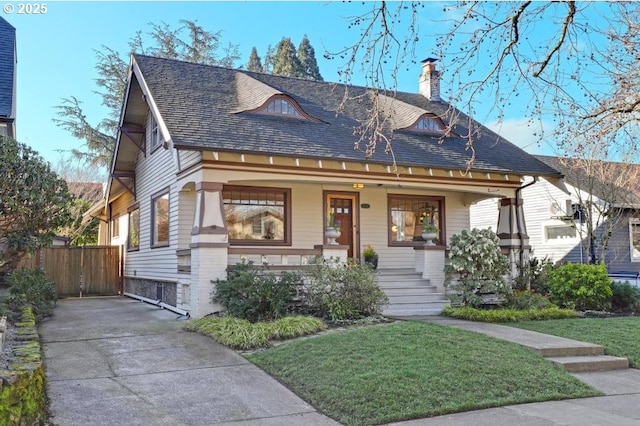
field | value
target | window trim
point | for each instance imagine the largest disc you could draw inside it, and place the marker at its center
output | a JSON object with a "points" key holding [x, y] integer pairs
{"points": [[154, 197], [632, 221], [115, 226], [130, 210], [560, 241], [442, 234], [287, 241], [439, 122], [155, 134]]}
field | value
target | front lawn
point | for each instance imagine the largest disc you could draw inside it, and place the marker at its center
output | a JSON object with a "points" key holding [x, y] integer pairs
{"points": [[380, 374], [619, 336]]}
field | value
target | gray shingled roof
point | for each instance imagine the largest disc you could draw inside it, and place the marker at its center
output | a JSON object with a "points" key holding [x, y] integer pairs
{"points": [[198, 104], [7, 67]]}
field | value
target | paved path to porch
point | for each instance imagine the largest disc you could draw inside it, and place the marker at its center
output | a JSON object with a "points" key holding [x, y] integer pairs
{"points": [[116, 361]]}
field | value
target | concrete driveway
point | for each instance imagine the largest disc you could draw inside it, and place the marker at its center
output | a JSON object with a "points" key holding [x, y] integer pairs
{"points": [[117, 361]]}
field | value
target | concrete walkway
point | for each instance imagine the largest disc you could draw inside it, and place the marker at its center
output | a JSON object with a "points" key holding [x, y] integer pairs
{"points": [[116, 361], [620, 406]]}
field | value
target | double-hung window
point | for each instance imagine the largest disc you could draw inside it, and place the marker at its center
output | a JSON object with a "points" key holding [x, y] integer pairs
{"points": [[160, 219], [634, 239]]}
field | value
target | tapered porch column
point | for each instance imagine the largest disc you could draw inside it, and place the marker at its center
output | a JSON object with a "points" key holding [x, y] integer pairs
{"points": [[512, 232], [209, 244]]}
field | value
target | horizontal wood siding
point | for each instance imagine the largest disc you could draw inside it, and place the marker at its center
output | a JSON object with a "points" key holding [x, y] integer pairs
{"points": [[538, 213], [119, 208], [189, 158], [619, 251], [154, 172]]}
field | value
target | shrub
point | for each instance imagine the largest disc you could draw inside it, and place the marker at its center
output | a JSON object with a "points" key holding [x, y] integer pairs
{"points": [[533, 275], [626, 297], [239, 333], [29, 286], [580, 286], [343, 291], [476, 266], [508, 315], [255, 294], [522, 299]]}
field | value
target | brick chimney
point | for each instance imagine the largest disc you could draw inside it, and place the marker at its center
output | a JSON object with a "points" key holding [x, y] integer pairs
{"points": [[430, 80]]}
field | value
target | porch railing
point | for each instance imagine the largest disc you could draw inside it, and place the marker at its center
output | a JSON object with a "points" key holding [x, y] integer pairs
{"points": [[282, 258]]}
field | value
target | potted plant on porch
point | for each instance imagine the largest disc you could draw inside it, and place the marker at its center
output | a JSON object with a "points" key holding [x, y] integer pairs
{"points": [[332, 231], [429, 232], [370, 256]]}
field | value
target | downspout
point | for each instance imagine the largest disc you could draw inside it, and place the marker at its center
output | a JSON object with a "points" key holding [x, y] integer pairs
{"points": [[518, 199]]}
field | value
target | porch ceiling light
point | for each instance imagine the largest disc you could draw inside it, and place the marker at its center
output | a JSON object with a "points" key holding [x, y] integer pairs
{"points": [[358, 185]]}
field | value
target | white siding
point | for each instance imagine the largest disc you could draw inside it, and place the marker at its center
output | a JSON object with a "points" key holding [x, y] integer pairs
{"points": [[189, 158], [542, 204], [154, 173]]}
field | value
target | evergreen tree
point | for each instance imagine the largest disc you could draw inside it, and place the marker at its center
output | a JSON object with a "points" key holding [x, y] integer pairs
{"points": [[189, 42], [307, 58], [255, 64], [286, 61]]}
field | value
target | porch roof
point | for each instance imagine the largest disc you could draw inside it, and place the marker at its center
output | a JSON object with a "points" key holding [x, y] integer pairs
{"points": [[199, 105]]}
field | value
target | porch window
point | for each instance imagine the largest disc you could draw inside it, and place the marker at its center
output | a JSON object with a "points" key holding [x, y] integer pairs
{"points": [[407, 213], [256, 215], [160, 220], [133, 240], [634, 239]]}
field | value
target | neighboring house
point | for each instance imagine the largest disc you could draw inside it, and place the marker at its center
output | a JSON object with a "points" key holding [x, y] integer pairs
{"points": [[8, 65], [214, 165], [556, 219]]}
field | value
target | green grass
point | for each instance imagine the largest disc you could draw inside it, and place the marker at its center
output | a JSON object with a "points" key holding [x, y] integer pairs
{"points": [[380, 374], [619, 336]]}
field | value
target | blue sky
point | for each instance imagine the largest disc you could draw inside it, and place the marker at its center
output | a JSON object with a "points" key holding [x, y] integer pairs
{"points": [[56, 51]]}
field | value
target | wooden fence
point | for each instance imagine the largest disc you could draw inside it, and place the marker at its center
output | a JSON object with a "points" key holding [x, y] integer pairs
{"points": [[80, 271]]}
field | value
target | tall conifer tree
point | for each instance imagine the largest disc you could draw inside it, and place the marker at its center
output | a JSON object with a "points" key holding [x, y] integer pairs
{"points": [[255, 64], [307, 58], [286, 60]]}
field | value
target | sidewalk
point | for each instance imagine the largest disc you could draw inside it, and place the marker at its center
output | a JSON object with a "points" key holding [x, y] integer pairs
{"points": [[620, 406]]}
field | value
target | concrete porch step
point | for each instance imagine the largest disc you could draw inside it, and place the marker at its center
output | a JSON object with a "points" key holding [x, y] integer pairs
{"points": [[579, 364], [409, 291], [395, 299]]}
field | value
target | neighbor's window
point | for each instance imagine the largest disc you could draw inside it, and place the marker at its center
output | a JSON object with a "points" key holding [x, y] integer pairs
{"points": [[155, 139], [160, 220], [408, 213], [257, 215], [559, 232], [634, 238], [115, 227], [133, 240]]}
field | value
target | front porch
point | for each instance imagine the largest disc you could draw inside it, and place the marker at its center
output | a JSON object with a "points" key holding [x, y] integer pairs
{"points": [[411, 291]]}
